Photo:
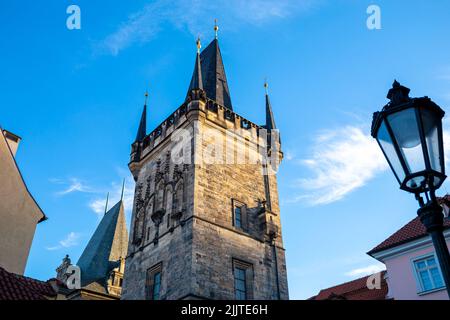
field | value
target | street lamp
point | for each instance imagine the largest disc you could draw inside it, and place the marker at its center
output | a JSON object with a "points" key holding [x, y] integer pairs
{"points": [[409, 132]]}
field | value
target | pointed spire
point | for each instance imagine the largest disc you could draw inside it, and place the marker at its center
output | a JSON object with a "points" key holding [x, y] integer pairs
{"points": [[106, 205], [123, 189], [105, 248], [197, 81], [142, 131], [270, 121], [213, 73]]}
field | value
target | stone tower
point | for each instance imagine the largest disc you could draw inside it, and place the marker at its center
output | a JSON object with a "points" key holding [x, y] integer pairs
{"points": [[206, 218]]}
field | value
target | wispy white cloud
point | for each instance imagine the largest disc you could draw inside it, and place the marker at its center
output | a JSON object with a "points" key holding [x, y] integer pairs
{"points": [[196, 17], [365, 271], [342, 161], [71, 240], [73, 185]]}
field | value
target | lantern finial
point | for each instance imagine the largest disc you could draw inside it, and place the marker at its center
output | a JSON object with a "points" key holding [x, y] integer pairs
{"points": [[398, 94]]}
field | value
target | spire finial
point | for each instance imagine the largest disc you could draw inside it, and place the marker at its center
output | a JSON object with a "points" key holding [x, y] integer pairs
{"points": [[146, 97], [216, 28], [199, 45], [266, 86], [106, 205], [123, 188]]}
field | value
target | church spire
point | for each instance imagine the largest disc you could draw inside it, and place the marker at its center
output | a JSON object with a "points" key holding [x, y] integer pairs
{"points": [[142, 131], [270, 121], [197, 81]]}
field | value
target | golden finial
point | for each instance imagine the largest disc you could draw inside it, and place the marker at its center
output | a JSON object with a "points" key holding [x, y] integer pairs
{"points": [[266, 86], [199, 45], [216, 27], [146, 97]]}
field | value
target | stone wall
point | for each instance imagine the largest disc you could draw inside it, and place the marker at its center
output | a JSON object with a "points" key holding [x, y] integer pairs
{"points": [[198, 249]]}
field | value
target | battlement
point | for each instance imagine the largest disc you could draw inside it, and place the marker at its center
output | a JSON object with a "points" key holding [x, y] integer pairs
{"points": [[214, 112]]}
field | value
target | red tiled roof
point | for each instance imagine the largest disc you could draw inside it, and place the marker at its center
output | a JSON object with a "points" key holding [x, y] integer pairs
{"points": [[17, 287], [411, 231], [354, 290]]}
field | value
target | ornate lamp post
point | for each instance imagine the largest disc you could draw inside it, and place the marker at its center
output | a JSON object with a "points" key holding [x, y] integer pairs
{"points": [[409, 132]]}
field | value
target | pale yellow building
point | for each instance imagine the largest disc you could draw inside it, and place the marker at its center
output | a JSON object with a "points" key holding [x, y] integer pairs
{"points": [[19, 211]]}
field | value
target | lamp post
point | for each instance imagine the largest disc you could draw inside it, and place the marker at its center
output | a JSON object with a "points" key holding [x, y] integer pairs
{"points": [[409, 132]]}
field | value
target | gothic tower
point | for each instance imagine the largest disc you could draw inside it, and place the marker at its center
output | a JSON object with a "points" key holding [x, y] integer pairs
{"points": [[206, 218]]}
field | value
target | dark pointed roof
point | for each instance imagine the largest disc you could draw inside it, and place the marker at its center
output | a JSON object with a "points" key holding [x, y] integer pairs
{"points": [[196, 81], [213, 75], [142, 131], [108, 244], [270, 120]]}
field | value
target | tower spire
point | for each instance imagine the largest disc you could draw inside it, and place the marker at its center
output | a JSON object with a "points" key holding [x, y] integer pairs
{"points": [[270, 121], [142, 130], [106, 205], [197, 81], [123, 188]]}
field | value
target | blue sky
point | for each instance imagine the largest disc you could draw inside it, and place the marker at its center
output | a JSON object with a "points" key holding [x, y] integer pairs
{"points": [[75, 97]]}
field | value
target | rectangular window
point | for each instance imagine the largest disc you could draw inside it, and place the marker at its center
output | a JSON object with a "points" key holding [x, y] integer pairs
{"points": [[239, 215], [428, 274], [153, 286], [240, 284], [156, 285], [243, 279]]}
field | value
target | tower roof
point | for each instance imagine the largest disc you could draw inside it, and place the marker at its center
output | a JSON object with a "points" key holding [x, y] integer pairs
{"points": [[196, 81], [270, 120], [142, 130], [108, 244], [213, 77]]}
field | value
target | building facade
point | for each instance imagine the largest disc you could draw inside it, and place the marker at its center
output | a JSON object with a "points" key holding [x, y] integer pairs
{"points": [[19, 212], [413, 271], [206, 218]]}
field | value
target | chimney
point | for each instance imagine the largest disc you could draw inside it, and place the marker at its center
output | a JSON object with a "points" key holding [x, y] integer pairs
{"points": [[12, 140]]}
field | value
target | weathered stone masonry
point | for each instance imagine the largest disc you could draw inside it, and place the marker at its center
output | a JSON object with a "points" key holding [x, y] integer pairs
{"points": [[184, 216]]}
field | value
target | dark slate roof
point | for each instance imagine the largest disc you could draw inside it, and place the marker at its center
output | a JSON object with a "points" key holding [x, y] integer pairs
{"points": [[17, 287], [142, 130], [354, 290], [213, 75], [108, 244], [270, 120], [196, 80], [411, 231]]}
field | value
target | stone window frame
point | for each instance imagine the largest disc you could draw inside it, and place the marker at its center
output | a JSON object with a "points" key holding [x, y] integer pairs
{"points": [[151, 274], [249, 278], [244, 214]]}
